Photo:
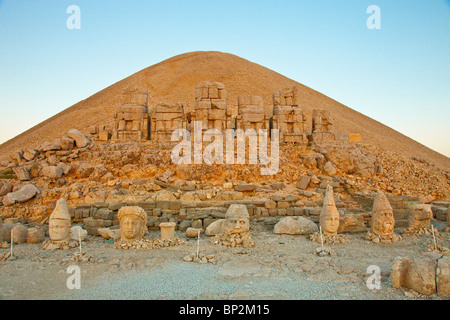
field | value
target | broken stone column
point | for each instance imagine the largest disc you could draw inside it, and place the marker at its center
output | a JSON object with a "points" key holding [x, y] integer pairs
{"points": [[131, 118], [167, 230], [288, 116], [322, 126]]}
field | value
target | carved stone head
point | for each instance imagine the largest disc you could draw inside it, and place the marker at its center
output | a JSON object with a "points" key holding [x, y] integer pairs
{"points": [[59, 223], [382, 216], [133, 223], [236, 219], [329, 215]]}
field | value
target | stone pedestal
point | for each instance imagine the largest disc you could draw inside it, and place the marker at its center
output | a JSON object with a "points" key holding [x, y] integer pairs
{"points": [[167, 230]]}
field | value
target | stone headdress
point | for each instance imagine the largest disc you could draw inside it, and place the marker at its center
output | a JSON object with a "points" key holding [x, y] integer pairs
{"points": [[137, 212]]}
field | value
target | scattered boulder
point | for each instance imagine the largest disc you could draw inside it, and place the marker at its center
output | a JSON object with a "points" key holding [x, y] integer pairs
{"points": [[35, 235], [26, 193], [65, 167], [295, 226], [329, 169], [193, 232], [351, 223], [76, 232], [54, 172], [22, 173], [19, 233], [443, 276], [215, 228], [81, 140], [108, 233], [303, 183], [30, 154], [5, 189], [184, 225]]}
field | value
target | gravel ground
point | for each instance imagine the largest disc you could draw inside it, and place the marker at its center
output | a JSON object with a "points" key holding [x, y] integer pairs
{"points": [[278, 267]]}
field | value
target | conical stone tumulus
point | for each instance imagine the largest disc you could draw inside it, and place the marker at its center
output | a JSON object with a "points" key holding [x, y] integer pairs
{"points": [[329, 215]]}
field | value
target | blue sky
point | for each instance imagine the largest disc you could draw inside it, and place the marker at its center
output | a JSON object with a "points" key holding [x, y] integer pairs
{"points": [[398, 75]]}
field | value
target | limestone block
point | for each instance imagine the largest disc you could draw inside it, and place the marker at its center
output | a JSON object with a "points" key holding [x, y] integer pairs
{"points": [[19, 233], [443, 276], [54, 172], [26, 193], [167, 230], [295, 226], [35, 235], [80, 139]]}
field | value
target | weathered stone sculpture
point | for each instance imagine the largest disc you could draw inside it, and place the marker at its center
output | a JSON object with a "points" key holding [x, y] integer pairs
{"points": [[211, 106], [252, 114], [166, 118], [382, 216], [329, 222], [288, 116], [419, 219], [383, 222], [131, 119], [234, 230], [59, 223], [424, 275], [322, 126], [329, 215], [133, 223]]}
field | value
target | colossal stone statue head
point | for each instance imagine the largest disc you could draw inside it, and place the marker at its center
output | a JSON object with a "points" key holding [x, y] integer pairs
{"points": [[236, 219], [329, 215], [59, 223], [133, 222], [382, 216], [419, 216]]}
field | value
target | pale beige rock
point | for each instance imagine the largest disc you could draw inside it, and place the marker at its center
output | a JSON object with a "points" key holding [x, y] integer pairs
{"points": [[19, 233], [215, 228], [76, 232], [133, 223], [80, 139], [382, 216], [59, 223], [295, 226], [26, 193], [108, 233], [54, 172], [193, 232], [35, 235], [443, 276], [351, 223], [419, 216], [417, 274], [167, 230], [329, 215]]}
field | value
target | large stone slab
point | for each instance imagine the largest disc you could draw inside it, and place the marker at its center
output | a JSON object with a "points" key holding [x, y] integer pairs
{"points": [[26, 193]]}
